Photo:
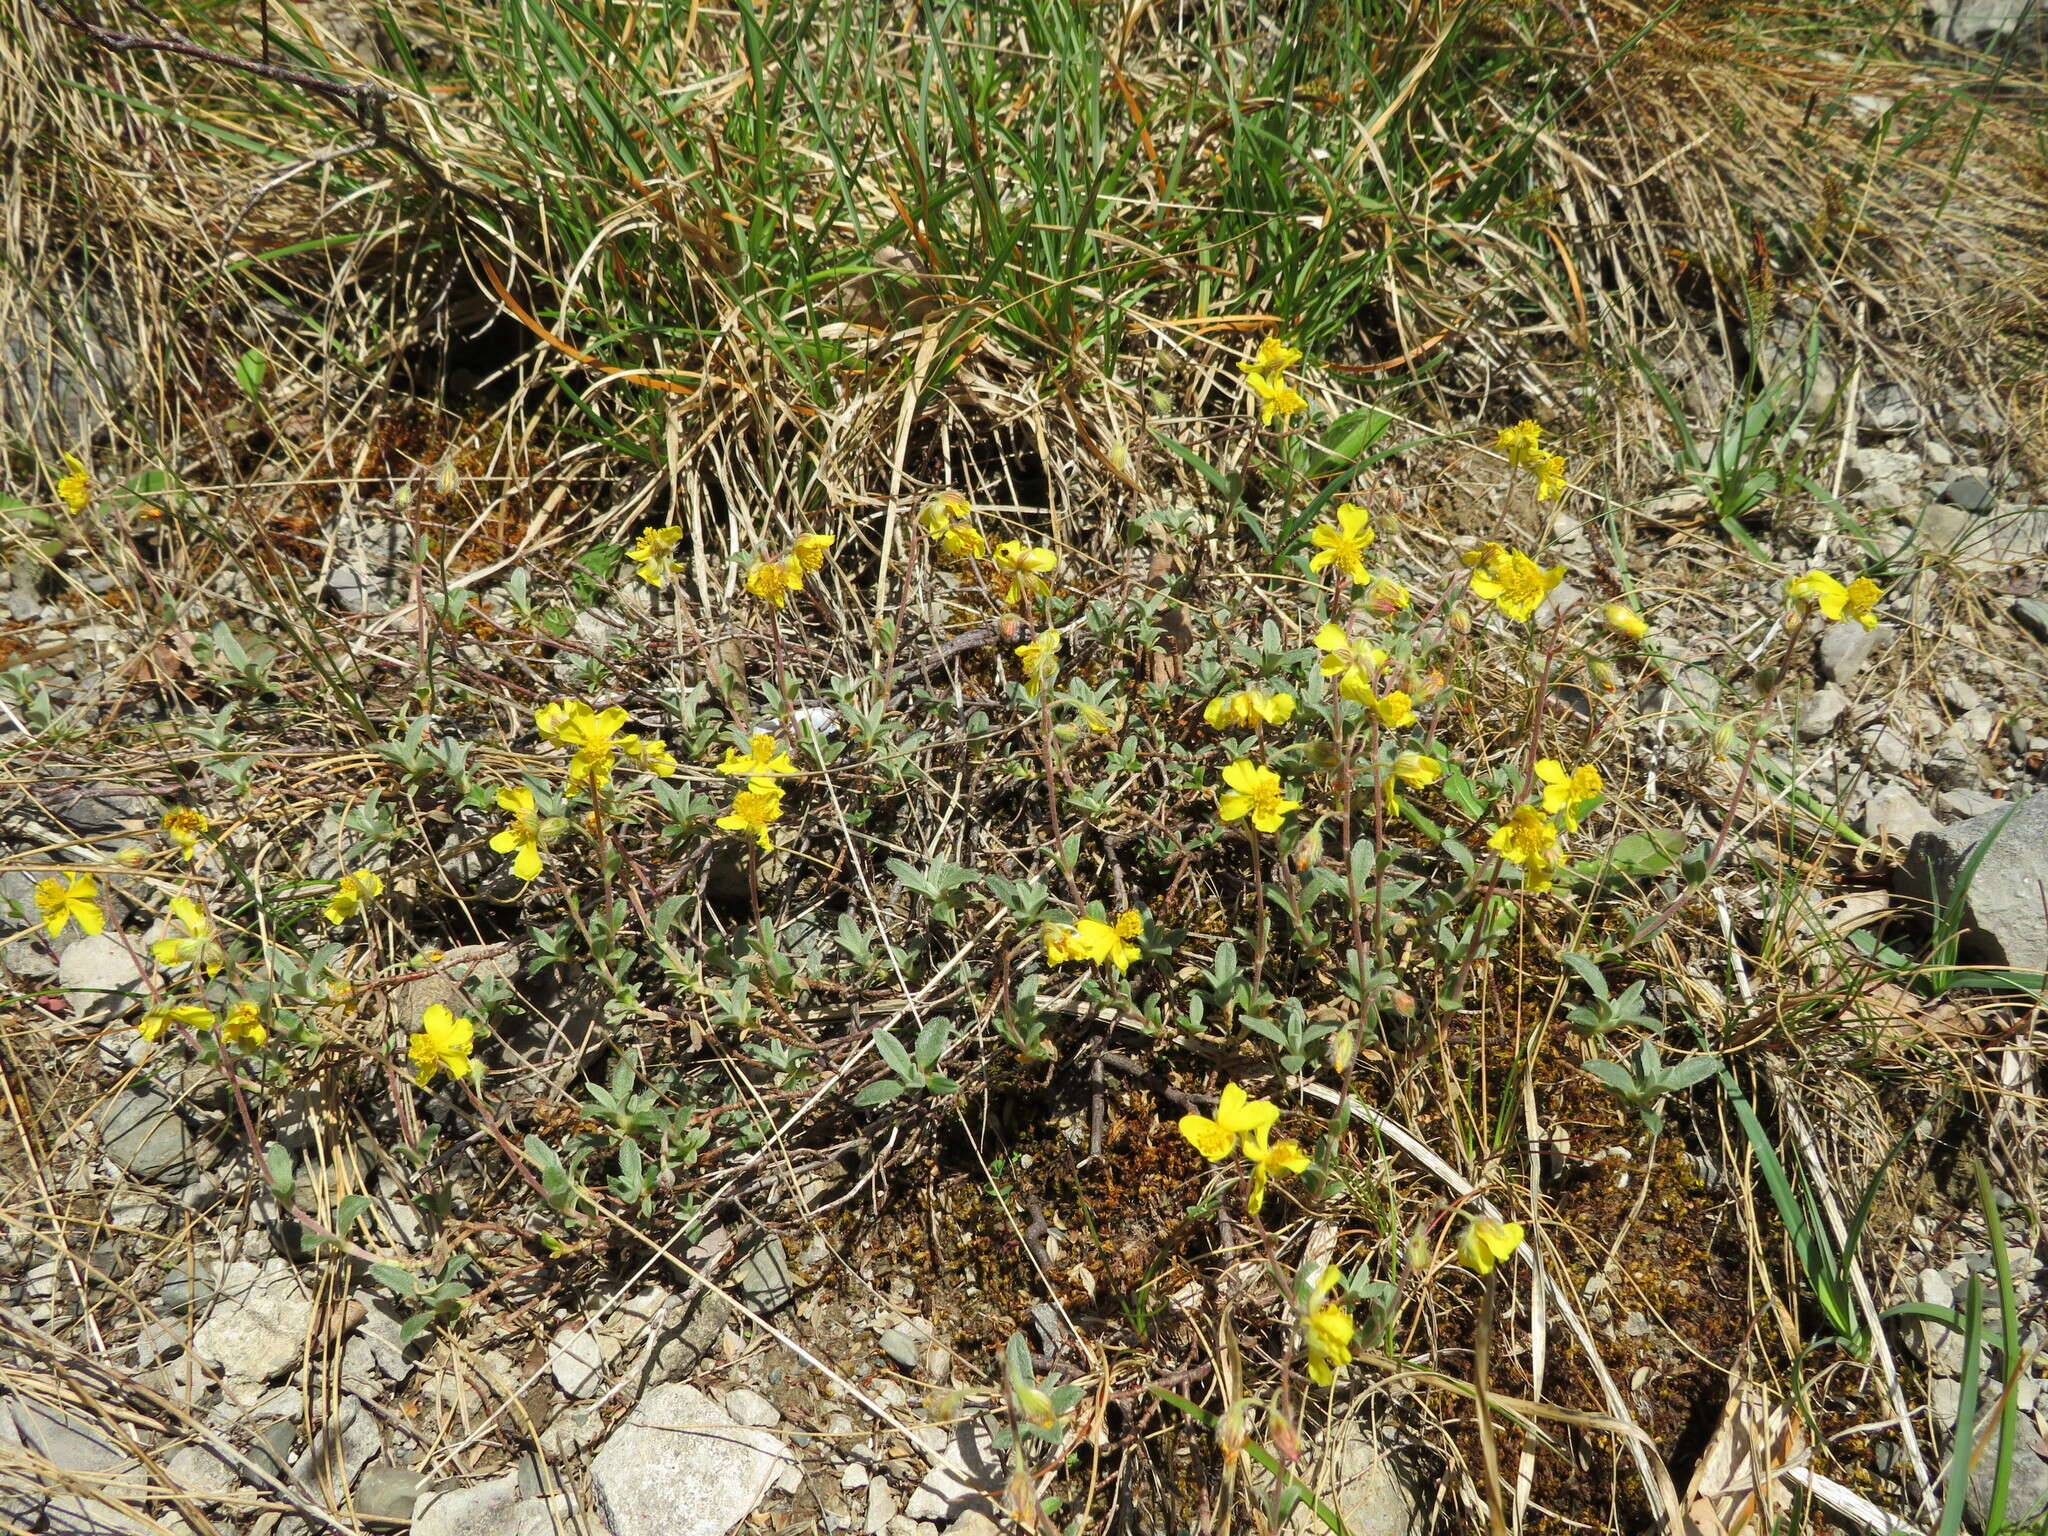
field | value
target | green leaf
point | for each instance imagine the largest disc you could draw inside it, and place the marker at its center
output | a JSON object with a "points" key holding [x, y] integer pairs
{"points": [[887, 1091], [414, 1326], [400, 1282], [251, 369], [890, 1049], [284, 1182]]}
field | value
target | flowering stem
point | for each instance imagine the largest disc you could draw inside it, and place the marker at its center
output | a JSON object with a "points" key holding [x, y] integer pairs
{"points": [[1259, 910], [1489, 1456]]}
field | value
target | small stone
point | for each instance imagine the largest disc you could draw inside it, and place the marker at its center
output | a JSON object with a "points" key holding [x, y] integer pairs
{"points": [[1894, 815], [853, 1477], [197, 1470], [388, 1493], [572, 1431], [2005, 910], [902, 1346], [472, 1511], [1845, 648], [258, 1327], [764, 1279], [678, 1466], [344, 1445], [102, 976], [746, 1406], [577, 1361], [143, 1134], [1962, 804], [2026, 1489], [2031, 614], [966, 1473], [1970, 492], [1821, 713], [881, 1507], [1888, 409], [1889, 749], [1959, 696]]}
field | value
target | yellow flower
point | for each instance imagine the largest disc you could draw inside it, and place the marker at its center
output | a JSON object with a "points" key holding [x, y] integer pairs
{"points": [[1092, 942], [1254, 791], [1522, 443], [945, 521], [1414, 770], [763, 757], [1274, 356], [185, 827], [242, 1027], [154, 1022], [1041, 662], [573, 724], [653, 555], [1514, 583], [522, 837], [1249, 707], [1343, 541], [1528, 838], [1027, 566], [196, 945], [1276, 397], [66, 901], [754, 808], [1486, 1242], [442, 1043], [808, 553], [1351, 663], [75, 489], [1236, 1115], [1280, 1157], [650, 752], [773, 580], [350, 893], [1550, 477], [1855, 601], [1570, 792], [1624, 621], [1328, 1330], [1395, 710]]}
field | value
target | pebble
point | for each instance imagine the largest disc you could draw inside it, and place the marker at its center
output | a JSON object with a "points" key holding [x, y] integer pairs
{"points": [[1895, 815], [1889, 749], [746, 1406], [577, 1361], [902, 1346], [678, 1466], [881, 1507], [1969, 492], [142, 1133], [2031, 614], [257, 1330], [2005, 924], [1845, 648], [102, 976], [388, 1493], [1821, 713]]}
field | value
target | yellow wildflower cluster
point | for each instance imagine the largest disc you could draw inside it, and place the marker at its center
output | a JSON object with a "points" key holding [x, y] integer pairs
{"points": [[443, 1043], [1027, 567], [1248, 709], [754, 810], [1255, 791], [1089, 941], [1523, 444], [1243, 1124], [1817, 589], [1266, 376], [1530, 838], [189, 938], [75, 489], [1510, 580], [654, 554], [1040, 660], [596, 742], [948, 521], [185, 826], [1327, 1329], [773, 580], [350, 893], [1486, 1242]]}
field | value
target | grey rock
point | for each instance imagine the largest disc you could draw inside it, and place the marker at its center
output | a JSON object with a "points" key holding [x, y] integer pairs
{"points": [[270, 1446], [1889, 749], [1888, 408], [372, 562], [1821, 713], [69, 1441], [344, 1445], [258, 1327], [902, 1346], [1366, 1491], [197, 1469], [96, 808], [2031, 614], [472, 1511], [678, 1466], [688, 1335], [1878, 466], [1982, 24], [143, 1134], [2026, 1489], [577, 1361], [966, 1474], [1958, 695], [1970, 492], [1971, 418], [746, 1406], [571, 1432], [388, 1493], [763, 1277], [185, 1290], [1961, 804], [2005, 911], [102, 976], [1894, 815], [1845, 648], [881, 1507], [1983, 541]]}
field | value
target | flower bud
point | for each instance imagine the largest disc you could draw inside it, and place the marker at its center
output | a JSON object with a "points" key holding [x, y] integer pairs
{"points": [[1420, 1251], [1459, 619], [1343, 1047], [1233, 1430], [1403, 1004], [1286, 1439], [448, 478], [1605, 678], [1624, 620]]}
